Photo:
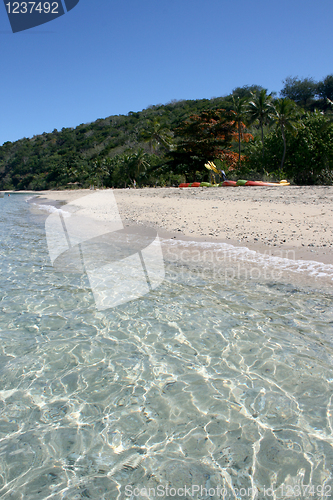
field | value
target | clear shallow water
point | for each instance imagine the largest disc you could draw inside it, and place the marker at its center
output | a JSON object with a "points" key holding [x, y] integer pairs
{"points": [[200, 383]]}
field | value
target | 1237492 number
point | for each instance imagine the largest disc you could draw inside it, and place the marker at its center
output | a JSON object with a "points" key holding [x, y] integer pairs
{"points": [[321, 491], [30, 7]]}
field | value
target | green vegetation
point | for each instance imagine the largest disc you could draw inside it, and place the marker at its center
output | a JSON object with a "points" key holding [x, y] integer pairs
{"points": [[248, 133], [261, 110]]}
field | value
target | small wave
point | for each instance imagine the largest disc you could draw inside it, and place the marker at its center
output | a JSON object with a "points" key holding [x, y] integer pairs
{"points": [[52, 209], [224, 252]]}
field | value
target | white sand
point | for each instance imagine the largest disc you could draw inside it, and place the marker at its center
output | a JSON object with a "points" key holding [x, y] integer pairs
{"points": [[278, 218]]}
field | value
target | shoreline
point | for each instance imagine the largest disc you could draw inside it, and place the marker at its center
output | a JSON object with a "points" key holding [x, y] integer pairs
{"points": [[283, 221]]}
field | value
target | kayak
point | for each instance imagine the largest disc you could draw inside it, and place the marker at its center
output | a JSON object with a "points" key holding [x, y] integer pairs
{"points": [[196, 184], [229, 183], [190, 184], [272, 184], [240, 182]]}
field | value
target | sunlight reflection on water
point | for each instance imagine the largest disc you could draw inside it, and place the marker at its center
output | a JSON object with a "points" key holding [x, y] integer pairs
{"points": [[197, 383]]}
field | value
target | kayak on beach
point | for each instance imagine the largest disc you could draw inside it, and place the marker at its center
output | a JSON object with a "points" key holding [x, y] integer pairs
{"points": [[190, 184], [261, 183], [229, 183], [198, 184], [240, 182]]}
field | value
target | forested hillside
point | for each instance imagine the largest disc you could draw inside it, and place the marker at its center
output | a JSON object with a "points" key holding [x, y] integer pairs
{"points": [[249, 132], [84, 153]]}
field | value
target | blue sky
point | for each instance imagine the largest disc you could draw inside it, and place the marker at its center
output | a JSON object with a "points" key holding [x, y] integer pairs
{"points": [[108, 57]]}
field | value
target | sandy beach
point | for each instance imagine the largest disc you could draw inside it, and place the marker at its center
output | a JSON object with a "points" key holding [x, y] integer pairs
{"points": [[263, 219]]}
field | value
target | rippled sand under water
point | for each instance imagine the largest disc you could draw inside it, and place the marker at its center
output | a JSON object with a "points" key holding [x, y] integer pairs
{"points": [[202, 382]]}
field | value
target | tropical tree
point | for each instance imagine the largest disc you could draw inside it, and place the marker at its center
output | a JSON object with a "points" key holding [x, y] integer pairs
{"points": [[246, 91], [131, 165], [124, 166], [325, 91], [157, 133], [204, 137], [301, 91], [100, 171], [261, 110], [285, 117], [139, 162], [310, 151], [239, 106]]}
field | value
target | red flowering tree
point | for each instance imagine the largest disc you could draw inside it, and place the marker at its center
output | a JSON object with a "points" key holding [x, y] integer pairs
{"points": [[206, 137]]}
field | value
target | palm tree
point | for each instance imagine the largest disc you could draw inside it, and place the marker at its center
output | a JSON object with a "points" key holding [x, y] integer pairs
{"points": [[261, 109], [285, 117], [157, 133], [125, 162], [101, 170], [240, 108], [139, 161], [133, 164]]}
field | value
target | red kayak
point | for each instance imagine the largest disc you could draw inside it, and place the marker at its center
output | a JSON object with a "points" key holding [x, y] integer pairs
{"points": [[229, 183], [254, 183], [190, 184]]}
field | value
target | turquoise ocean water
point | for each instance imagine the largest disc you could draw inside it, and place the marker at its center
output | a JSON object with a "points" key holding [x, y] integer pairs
{"points": [[214, 385]]}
